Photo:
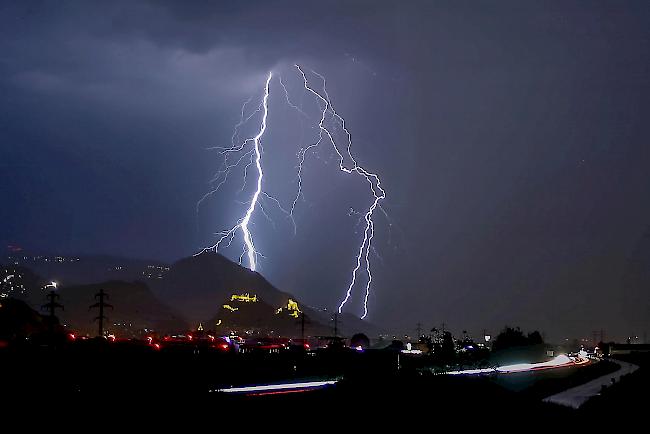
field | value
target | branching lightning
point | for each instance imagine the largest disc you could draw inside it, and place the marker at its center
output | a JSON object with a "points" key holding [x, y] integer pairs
{"points": [[242, 224], [372, 179], [329, 121]]}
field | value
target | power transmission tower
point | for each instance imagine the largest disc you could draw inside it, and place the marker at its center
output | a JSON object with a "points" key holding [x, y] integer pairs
{"points": [[336, 325], [419, 330], [303, 321], [51, 306], [101, 305]]}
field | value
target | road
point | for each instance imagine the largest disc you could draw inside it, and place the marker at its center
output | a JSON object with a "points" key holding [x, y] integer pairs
{"points": [[576, 396], [561, 361]]}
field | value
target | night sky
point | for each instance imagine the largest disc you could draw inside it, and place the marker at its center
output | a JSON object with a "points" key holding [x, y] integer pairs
{"points": [[512, 139]]}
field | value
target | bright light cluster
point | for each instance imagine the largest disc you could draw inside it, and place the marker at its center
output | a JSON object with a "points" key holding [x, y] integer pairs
{"points": [[245, 298], [559, 361]]}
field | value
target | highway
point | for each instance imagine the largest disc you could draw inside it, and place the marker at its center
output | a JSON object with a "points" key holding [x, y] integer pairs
{"points": [[561, 361], [576, 396]]}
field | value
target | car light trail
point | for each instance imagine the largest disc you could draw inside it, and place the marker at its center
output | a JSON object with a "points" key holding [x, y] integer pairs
{"points": [[275, 388], [560, 361]]}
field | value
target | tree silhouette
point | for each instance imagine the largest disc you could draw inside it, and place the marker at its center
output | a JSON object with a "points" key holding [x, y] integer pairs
{"points": [[447, 348], [535, 338], [359, 340], [514, 337]]}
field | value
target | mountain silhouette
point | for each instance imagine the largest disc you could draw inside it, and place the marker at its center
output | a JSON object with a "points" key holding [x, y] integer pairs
{"points": [[149, 294], [88, 269], [136, 310], [199, 286]]}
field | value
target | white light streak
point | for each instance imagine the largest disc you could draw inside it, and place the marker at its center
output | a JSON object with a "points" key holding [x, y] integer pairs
{"points": [[560, 361], [276, 387]]}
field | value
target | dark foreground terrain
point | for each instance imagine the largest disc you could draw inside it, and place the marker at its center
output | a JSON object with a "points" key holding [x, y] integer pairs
{"points": [[379, 382]]}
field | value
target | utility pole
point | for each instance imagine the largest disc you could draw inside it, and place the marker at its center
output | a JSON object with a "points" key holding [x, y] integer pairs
{"points": [[419, 330], [101, 305], [336, 324]]}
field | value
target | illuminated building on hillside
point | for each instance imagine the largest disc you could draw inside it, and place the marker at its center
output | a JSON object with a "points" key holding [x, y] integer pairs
{"points": [[245, 298], [291, 308]]}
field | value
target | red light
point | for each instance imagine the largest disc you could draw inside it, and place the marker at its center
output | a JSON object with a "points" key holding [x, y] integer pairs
{"points": [[307, 346], [189, 337], [224, 346], [156, 346], [72, 336], [278, 392]]}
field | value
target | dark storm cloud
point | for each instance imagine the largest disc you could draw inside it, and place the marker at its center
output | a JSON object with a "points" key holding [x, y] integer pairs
{"points": [[511, 137]]}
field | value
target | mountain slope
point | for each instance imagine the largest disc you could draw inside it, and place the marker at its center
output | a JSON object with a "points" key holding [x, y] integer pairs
{"points": [[135, 308], [199, 286], [82, 270]]}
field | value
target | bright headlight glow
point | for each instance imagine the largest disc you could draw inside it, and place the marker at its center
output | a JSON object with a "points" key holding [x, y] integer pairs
{"points": [[559, 361]]}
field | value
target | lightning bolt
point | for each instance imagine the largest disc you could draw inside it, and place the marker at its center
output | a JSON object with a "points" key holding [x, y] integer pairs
{"points": [[373, 180], [347, 164], [242, 224]]}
